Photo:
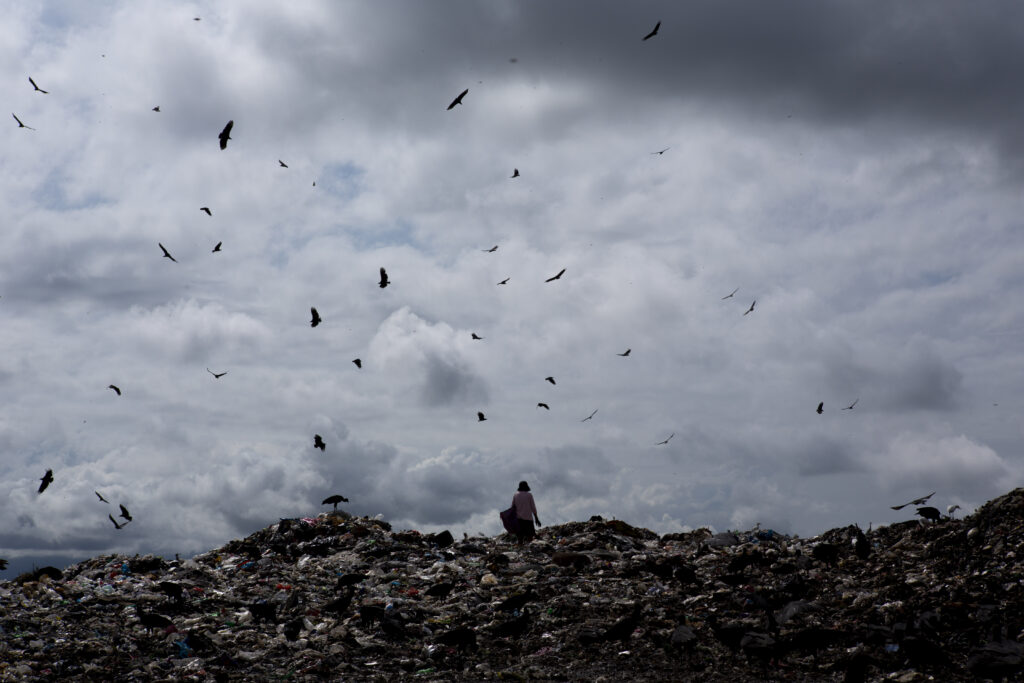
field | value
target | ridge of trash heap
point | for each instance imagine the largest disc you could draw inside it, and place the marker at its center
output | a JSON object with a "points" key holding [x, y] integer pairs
{"points": [[341, 598]]}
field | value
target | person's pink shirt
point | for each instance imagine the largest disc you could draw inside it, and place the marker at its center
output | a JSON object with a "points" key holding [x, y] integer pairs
{"points": [[525, 507]]}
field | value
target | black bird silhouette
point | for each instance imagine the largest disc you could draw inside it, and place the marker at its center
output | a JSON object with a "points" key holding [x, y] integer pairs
{"points": [[929, 513], [476, 336], [491, 250], [505, 281], [101, 497], [157, 108], [318, 442], [662, 443], [654, 32], [550, 379], [38, 89], [850, 407], [20, 124], [384, 281], [167, 254], [458, 100], [480, 417], [283, 165], [917, 501], [125, 513], [206, 209], [515, 173], [588, 417], [545, 406], [225, 135], [749, 310], [216, 375], [335, 499], [730, 295], [116, 389], [662, 151], [316, 318], [358, 362], [46, 480], [821, 408], [216, 248], [152, 620], [116, 525], [625, 353], [556, 277]]}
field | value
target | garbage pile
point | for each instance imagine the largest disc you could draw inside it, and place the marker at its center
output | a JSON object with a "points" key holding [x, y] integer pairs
{"points": [[342, 598]]}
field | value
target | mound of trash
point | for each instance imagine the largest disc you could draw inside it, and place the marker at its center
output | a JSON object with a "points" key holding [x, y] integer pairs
{"points": [[342, 598]]}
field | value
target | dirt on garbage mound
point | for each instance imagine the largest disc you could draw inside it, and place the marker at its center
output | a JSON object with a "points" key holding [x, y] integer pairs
{"points": [[342, 598]]}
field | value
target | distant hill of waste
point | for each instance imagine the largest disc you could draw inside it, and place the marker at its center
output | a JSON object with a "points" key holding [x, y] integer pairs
{"points": [[342, 598]]}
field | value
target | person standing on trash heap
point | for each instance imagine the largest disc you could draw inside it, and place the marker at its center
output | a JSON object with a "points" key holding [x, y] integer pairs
{"points": [[522, 501]]}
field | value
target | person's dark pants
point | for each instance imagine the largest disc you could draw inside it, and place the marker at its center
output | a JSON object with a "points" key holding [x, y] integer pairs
{"points": [[524, 530]]}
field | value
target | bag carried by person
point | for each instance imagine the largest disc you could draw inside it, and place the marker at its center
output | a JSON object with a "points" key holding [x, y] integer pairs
{"points": [[508, 519]]}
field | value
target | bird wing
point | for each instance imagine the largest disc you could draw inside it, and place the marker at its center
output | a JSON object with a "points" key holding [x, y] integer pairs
{"points": [[225, 135], [116, 390], [458, 100], [653, 32], [166, 253]]}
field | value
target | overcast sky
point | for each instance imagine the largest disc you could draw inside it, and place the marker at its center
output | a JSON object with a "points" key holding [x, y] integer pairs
{"points": [[855, 168]]}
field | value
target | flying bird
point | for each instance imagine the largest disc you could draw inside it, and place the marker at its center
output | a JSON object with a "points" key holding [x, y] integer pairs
{"points": [[821, 408], [749, 310], [318, 442], [662, 443], [358, 362], [157, 108], [624, 353], [850, 407], [662, 151], [550, 379], [216, 375], [335, 499], [545, 406], [116, 525], [730, 295], [20, 124], [480, 417], [225, 135], [458, 100], [505, 281], [654, 32], [38, 89], [167, 254], [476, 336], [101, 497], [283, 165], [216, 248], [116, 389], [206, 209], [384, 281], [556, 277], [125, 513], [917, 501], [491, 250], [316, 318], [45, 480], [515, 173], [589, 416]]}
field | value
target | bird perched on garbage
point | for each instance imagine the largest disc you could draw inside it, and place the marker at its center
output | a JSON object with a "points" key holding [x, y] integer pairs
{"points": [[152, 620], [45, 480], [513, 628], [440, 590], [340, 604], [460, 637], [318, 442], [861, 545], [917, 501], [335, 499], [518, 601], [124, 513], [929, 513], [263, 611]]}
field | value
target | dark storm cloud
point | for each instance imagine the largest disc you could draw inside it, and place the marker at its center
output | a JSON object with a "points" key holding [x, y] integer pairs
{"points": [[823, 455]]}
